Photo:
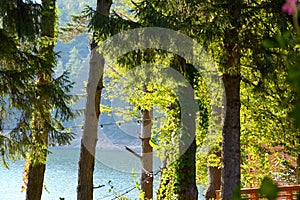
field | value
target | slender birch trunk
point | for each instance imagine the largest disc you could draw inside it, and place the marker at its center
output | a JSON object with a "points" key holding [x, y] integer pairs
{"points": [[92, 113]]}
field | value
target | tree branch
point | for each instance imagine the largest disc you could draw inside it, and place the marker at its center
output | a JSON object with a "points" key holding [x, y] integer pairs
{"points": [[133, 152]]}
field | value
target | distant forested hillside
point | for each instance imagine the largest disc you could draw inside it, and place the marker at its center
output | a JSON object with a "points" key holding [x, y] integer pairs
{"points": [[74, 57], [74, 53]]}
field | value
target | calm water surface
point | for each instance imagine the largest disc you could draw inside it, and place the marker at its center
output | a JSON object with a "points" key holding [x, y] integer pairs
{"points": [[61, 179]]}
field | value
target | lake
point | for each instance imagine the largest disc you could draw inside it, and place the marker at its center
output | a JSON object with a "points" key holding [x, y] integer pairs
{"points": [[61, 176]]}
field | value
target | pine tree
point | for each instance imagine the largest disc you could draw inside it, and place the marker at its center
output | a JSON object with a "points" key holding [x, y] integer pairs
{"points": [[19, 60], [39, 101], [41, 114]]}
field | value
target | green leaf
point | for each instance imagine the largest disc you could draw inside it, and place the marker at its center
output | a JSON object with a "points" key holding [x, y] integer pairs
{"points": [[268, 44], [282, 41], [268, 189], [153, 143]]}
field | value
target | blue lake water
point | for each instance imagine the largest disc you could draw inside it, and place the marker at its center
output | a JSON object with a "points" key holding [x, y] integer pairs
{"points": [[61, 178]]}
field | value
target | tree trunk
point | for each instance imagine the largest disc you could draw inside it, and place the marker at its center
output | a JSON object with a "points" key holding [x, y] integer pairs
{"points": [[35, 181], [214, 172], [231, 138], [92, 113], [147, 158], [298, 170], [186, 167], [41, 116], [231, 129], [89, 135], [187, 174], [214, 181]]}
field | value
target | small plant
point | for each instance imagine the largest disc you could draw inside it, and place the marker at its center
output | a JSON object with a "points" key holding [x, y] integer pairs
{"points": [[268, 189]]}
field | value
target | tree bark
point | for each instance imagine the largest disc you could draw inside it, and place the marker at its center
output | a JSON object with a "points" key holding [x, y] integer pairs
{"points": [[214, 181], [35, 181], [298, 170], [214, 172], [89, 135], [231, 129], [187, 177], [186, 168], [147, 151], [41, 116], [231, 138], [92, 113]]}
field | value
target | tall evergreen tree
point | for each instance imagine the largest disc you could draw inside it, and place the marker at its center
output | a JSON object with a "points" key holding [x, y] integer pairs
{"points": [[40, 102], [18, 62], [231, 78], [41, 114], [238, 28]]}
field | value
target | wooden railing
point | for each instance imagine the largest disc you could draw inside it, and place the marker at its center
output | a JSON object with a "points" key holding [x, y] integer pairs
{"points": [[289, 192]]}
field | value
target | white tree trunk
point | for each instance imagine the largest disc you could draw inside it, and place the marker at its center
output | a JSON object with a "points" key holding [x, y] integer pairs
{"points": [[89, 135], [92, 111]]}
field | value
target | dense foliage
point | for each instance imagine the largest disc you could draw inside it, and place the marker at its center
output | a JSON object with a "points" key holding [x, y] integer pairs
{"points": [[253, 44]]}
